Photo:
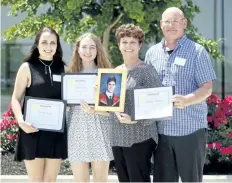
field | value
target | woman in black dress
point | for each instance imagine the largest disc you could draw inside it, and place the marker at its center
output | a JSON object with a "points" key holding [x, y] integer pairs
{"points": [[39, 76]]}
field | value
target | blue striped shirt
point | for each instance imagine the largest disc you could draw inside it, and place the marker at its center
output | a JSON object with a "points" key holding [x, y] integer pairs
{"points": [[186, 68]]}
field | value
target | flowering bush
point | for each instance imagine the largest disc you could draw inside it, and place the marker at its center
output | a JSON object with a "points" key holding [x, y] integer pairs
{"points": [[219, 118], [9, 131]]}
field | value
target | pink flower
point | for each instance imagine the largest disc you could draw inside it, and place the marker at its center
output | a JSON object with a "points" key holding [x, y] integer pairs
{"points": [[209, 101], [7, 124], [217, 145], [7, 114], [14, 122], [10, 137], [220, 119], [216, 124], [209, 118], [2, 126], [219, 102], [219, 113], [229, 134], [229, 113], [226, 150], [10, 107], [4, 115], [212, 98], [210, 146], [228, 99]]}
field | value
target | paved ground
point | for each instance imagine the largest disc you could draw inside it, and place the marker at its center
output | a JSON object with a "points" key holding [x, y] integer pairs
{"points": [[111, 178]]}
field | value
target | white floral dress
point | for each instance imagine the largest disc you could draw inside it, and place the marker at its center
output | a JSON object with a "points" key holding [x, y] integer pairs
{"points": [[88, 136]]}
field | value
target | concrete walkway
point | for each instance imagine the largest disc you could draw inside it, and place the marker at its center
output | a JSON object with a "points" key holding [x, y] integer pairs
{"points": [[112, 178]]}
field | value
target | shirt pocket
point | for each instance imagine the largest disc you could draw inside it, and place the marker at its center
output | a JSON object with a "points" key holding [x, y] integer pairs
{"points": [[183, 72]]}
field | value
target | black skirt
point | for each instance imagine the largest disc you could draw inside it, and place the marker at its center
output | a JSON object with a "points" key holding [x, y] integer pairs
{"points": [[41, 144]]}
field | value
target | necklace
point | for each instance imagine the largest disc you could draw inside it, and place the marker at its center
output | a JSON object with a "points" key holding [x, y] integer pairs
{"points": [[49, 69]]}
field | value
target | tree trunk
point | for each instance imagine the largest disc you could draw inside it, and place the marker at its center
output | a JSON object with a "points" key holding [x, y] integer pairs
{"points": [[106, 35], [106, 39]]}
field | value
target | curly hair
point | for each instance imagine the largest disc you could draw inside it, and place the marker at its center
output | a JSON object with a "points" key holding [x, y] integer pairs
{"points": [[101, 59], [129, 30]]}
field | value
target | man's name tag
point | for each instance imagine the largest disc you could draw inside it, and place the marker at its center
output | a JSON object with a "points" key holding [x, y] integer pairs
{"points": [[57, 78], [179, 61]]}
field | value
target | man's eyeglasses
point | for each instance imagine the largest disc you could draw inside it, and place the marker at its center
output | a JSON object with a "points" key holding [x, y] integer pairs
{"points": [[174, 22]]}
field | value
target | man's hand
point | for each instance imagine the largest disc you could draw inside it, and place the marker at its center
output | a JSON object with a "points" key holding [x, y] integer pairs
{"points": [[180, 101], [88, 109], [124, 118]]}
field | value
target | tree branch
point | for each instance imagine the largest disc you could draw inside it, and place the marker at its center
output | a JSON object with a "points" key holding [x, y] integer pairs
{"points": [[115, 22], [106, 34]]}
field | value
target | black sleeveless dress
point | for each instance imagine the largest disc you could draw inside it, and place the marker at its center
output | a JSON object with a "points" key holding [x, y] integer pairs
{"points": [[42, 144]]}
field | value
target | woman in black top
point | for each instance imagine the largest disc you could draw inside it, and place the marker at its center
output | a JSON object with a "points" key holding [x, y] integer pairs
{"points": [[39, 76]]}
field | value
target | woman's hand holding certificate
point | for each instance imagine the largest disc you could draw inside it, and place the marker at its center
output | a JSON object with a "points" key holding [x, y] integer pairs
{"points": [[27, 127], [87, 108], [124, 118]]}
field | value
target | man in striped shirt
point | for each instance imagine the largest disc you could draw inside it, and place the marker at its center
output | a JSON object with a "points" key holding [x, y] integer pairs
{"points": [[187, 66]]}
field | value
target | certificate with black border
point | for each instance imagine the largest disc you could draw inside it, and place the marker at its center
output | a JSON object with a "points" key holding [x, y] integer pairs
{"points": [[153, 103], [77, 87], [45, 114]]}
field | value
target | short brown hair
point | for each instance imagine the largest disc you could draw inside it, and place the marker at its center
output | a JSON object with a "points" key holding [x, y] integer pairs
{"points": [[129, 30]]}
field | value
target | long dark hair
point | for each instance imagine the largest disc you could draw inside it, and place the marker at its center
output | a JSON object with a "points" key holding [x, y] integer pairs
{"points": [[34, 52]]}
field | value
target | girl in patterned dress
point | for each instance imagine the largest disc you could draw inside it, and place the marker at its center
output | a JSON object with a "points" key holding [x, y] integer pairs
{"points": [[88, 130]]}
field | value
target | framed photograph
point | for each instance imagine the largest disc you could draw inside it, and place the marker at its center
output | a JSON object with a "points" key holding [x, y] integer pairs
{"points": [[111, 90]]}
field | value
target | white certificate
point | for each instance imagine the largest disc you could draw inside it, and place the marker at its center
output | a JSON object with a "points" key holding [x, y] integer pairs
{"points": [[45, 114], [79, 86], [153, 103]]}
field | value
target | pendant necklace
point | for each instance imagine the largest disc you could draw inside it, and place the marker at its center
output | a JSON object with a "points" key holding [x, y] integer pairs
{"points": [[49, 69]]}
